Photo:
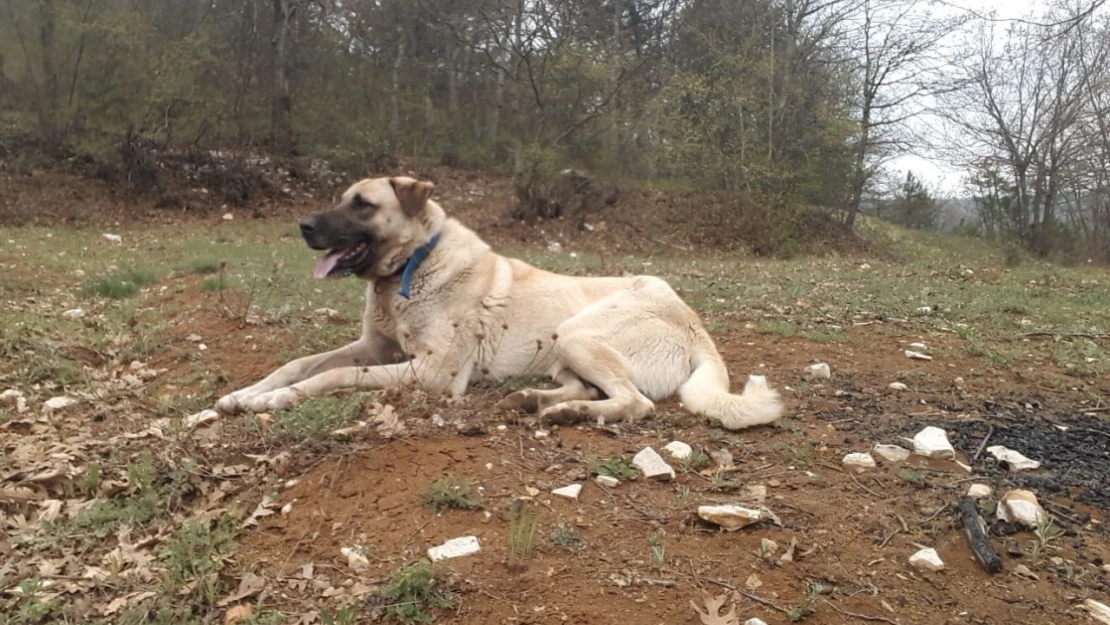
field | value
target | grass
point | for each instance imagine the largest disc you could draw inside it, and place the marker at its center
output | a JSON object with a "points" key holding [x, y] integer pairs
{"points": [[658, 552], [523, 523], [620, 467], [447, 493], [566, 537], [205, 267], [695, 462], [121, 284], [413, 591], [313, 422]]}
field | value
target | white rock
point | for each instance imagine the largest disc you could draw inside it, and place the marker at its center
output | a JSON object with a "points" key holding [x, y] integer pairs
{"points": [[1014, 460], [1098, 611], [865, 266], [932, 442], [540, 434], [194, 338], [920, 346], [820, 371], [898, 386], [679, 450], [58, 403], [730, 517], [355, 560], [859, 462], [1021, 508], [925, 310], [330, 313], [287, 508], [755, 492], [455, 548], [755, 621], [570, 491], [200, 418], [891, 453], [652, 465], [74, 313], [228, 217], [917, 355], [114, 238], [979, 491], [10, 395], [927, 560], [608, 481]]}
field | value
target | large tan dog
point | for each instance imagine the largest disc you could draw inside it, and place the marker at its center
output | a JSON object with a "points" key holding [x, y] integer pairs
{"points": [[443, 310]]}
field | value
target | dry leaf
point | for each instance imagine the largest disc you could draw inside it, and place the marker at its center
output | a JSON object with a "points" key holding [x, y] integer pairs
{"points": [[264, 509], [711, 613], [753, 582], [249, 586], [238, 614]]}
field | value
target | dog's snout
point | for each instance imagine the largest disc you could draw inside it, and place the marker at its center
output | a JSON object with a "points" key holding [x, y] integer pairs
{"points": [[308, 226]]}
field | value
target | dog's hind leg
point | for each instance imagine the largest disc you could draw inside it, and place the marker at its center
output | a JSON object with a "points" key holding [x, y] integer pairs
{"points": [[534, 400], [592, 359]]}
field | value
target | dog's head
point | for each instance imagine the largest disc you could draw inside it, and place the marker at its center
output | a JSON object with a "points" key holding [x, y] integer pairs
{"points": [[373, 230]]}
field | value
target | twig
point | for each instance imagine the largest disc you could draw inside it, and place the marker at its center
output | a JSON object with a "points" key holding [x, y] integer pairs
{"points": [[864, 487], [935, 514], [983, 445], [865, 617], [1082, 335], [749, 595]]}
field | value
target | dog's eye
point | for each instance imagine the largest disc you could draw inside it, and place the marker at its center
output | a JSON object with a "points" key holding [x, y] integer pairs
{"points": [[360, 202]]}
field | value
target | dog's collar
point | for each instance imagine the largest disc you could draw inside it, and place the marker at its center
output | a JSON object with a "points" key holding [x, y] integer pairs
{"points": [[413, 263]]}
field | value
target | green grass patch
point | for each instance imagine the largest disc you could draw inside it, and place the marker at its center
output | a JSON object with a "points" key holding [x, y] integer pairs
{"points": [[204, 267], [447, 492], [620, 467], [121, 284], [413, 592]]}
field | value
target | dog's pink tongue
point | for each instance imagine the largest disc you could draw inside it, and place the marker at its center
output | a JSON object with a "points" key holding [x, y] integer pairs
{"points": [[326, 264]]}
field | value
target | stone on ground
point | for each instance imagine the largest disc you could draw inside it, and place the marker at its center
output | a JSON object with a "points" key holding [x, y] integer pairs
{"points": [[819, 371], [1021, 507], [979, 491], [570, 491], [652, 465], [932, 442], [608, 481], [730, 517], [679, 450], [891, 453], [1014, 460], [455, 548], [859, 462], [927, 560]]}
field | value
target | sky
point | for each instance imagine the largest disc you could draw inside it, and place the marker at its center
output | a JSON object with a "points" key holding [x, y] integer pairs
{"points": [[947, 180]]}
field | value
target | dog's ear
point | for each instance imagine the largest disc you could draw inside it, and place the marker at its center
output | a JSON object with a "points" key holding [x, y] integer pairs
{"points": [[412, 194]]}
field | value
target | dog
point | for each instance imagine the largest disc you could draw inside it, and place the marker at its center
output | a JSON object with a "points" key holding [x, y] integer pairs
{"points": [[444, 311]]}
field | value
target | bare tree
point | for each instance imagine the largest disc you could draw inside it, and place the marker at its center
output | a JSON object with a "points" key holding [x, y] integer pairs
{"points": [[897, 69]]}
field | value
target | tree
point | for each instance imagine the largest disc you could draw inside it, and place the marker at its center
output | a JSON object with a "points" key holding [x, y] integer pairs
{"points": [[914, 207]]}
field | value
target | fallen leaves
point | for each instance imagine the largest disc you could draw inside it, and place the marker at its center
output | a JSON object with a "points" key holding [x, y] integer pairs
{"points": [[265, 508], [711, 613]]}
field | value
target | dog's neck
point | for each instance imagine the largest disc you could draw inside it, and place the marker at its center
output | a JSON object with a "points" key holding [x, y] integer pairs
{"points": [[413, 263]]}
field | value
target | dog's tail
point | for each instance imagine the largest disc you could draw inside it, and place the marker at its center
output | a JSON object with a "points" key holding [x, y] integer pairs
{"points": [[706, 392]]}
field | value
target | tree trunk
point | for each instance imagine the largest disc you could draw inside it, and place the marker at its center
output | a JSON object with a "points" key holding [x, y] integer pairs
{"points": [[281, 102], [395, 92], [48, 108]]}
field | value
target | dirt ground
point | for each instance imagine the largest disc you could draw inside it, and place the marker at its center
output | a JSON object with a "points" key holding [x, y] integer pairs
{"points": [[641, 554]]}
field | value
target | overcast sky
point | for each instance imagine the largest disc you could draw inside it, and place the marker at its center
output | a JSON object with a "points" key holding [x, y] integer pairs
{"points": [[946, 180]]}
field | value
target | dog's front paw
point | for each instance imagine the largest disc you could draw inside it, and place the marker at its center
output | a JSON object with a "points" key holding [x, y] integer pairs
{"points": [[526, 401], [280, 399]]}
